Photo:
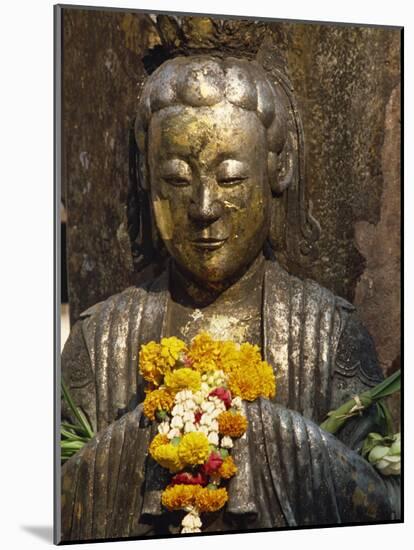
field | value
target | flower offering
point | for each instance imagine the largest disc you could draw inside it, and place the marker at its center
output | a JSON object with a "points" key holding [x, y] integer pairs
{"points": [[196, 395]]}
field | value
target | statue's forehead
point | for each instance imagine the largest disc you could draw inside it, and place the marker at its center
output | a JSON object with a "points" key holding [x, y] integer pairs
{"points": [[222, 126]]}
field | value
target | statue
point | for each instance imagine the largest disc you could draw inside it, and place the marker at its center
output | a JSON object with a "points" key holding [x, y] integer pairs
{"points": [[219, 144]]}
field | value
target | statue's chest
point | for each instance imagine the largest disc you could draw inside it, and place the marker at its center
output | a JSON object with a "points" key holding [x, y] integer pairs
{"points": [[238, 323]]}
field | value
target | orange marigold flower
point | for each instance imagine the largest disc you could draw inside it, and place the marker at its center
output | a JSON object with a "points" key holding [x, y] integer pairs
{"points": [[157, 400], [159, 439], [177, 497], [252, 380], [232, 424], [151, 364], [228, 468], [204, 352], [210, 500]]}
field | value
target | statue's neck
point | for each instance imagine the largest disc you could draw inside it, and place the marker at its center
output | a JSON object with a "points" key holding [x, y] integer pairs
{"points": [[190, 293]]}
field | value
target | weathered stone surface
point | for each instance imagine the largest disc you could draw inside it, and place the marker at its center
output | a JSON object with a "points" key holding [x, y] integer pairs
{"points": [[345, 79], [102, 74]]}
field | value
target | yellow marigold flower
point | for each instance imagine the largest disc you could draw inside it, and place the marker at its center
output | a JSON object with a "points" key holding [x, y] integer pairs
{"points": [[228, 468], [232, 424], [229, 357], [151, 364], [157, 400], [177, 497], [204, 352], [267, 379], [167, 457], [252, 380], [158, 440], [210, 500], [249, 354], [194, 448], [171, 349], [183, 379]]}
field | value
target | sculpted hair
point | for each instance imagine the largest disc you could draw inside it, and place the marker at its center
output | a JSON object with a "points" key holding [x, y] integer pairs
{"points": [[205, 81]]}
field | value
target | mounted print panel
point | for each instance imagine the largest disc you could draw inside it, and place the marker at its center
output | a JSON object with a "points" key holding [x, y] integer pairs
{"points": [[230, 220]]}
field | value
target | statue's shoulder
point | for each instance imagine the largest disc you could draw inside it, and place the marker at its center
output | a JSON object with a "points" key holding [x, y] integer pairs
{"points": [[355, 354], [119, 301], [308, 288]]}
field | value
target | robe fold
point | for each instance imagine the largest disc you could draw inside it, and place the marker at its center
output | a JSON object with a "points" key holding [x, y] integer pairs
{"points": [[291, 473]]}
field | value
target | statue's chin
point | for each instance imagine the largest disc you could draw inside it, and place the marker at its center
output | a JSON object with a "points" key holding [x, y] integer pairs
{"points": [[215, 279]]}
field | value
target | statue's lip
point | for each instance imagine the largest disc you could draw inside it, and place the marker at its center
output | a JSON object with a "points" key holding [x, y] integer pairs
{"points": [[209, 243]]}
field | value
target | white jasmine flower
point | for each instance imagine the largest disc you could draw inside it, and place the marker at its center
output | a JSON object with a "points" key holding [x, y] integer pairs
{"points": [[204, 377], [207, 406], [206, 419], [237, 403], [189, 404], [214, 426], [191, 521], [205, 388], [198, 398], [226, 442], [189, 427], [217, 403], [177, 422], [178, 410], [164, 428], [183, 395], [213, 438], [203, 429], [188, 416]]}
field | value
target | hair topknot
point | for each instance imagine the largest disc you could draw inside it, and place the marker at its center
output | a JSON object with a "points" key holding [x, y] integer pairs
{"points": [[204, 81]]}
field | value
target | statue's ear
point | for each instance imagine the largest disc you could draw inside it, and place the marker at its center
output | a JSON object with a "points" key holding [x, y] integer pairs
{"points": [[281, 168]]}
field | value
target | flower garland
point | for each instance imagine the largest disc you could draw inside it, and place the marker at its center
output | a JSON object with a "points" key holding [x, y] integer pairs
{"points": [[196, 395]]}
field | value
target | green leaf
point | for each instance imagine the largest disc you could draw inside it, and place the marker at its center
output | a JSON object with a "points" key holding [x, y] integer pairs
{"points": [[161, 415], [75, 445], [72, 436], [337, 418], [386, 417], [387, 387], [80, 417]]}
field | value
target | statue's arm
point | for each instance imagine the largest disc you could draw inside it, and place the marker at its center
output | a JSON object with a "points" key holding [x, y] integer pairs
{"points": [[77, 373], [326, 480]]}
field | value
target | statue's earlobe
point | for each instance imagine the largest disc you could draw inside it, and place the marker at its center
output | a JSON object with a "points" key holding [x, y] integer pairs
{"points": [[281, 169]]}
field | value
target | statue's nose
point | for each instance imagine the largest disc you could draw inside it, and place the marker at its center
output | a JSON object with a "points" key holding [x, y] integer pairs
{"points": [[205, 206]]}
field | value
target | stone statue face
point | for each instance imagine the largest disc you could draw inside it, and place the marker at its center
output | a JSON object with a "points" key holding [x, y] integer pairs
{"points": [[209, 187]]}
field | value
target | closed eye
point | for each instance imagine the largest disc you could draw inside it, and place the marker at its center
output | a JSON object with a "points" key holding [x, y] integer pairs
{"points": [[229, 181], [178, 181]]}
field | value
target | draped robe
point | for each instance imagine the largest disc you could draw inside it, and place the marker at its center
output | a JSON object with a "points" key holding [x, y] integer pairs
{"points": [[290, 472]]}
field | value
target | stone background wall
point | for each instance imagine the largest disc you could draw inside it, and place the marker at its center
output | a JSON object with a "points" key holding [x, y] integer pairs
{"points": [[347, 82]]}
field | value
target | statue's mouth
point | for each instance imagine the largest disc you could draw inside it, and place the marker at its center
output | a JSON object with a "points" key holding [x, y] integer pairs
{"points": [[208, 243]]}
